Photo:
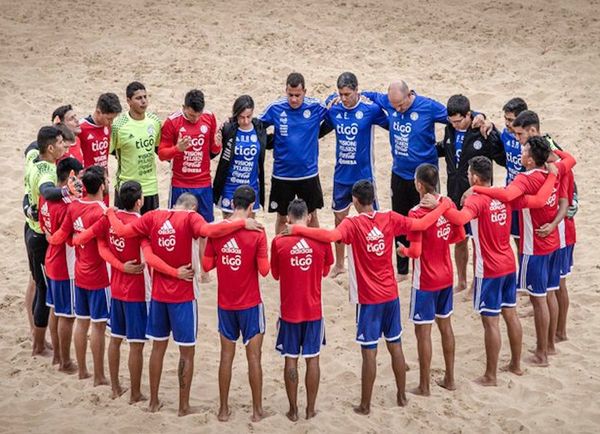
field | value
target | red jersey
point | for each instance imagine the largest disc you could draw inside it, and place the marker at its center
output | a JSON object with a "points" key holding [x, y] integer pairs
{"points": [[299, 262], [566, 228], [125, 286], [90, 268], [490, 228], [370, 269], [74, 151], [95, 141], [60, 259], [237, 267], [173, 235], [191, 168], [433, 269]]}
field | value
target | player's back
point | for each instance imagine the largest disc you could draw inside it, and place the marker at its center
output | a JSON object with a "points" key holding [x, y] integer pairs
{"points": [[300, 262], [60, 259]]}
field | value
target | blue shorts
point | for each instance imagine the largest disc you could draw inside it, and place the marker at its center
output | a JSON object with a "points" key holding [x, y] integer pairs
{"points": [[92, 304], [49, 295], [306, 338], [342, 197], [249, 322], [204, 196], [63, 297], [179, 318], [566, 260], [128, 319], [534, 274], [375, 320], [425, 306], [226, 199], [514, 224], [491, 294], [554, 269]]}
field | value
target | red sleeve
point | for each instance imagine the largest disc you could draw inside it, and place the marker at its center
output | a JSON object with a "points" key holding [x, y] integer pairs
{"points": [[167, 148], [108, 256], [463, 216], [263, 265], [64, 232], [209, 260], [541, 197], [261, 251], [319, 234], [428, 219], [414, 251], [214, 230], [98, 229], [274, 259], [215, 147], [328, 259], [457, 234], [139, 227], [506, 194], [566, 160], [413, 235], [155, 262]]}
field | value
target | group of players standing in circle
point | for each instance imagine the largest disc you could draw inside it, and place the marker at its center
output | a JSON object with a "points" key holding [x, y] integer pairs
{"points": [[157, 257]]}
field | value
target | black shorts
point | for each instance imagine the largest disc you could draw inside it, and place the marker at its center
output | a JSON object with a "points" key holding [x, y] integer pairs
{"points": [[404, 197], [36, 250], [150, 202], [284, 191], [25, 238]]}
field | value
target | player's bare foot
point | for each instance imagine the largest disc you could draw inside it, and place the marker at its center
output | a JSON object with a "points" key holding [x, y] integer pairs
{"points": [[259, 415], [360, 409], [336, 271], [118, 391], [292, 414], [187, 411], [446, 384], [56, 359], [153, 407], [537, 360], [84, 375], [44, 352], [401, 399], [460, 287], [137, 398], [420, 391], [552, 351], [486, 381], [224, 414], [310, 413], [48, 345], [513, 369], [560, 337], [102, 381]]}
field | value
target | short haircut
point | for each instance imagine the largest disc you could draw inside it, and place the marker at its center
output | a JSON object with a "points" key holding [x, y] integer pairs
{"points": [[297, 209], [187, 201], [364, 192], [242, 102], [129, 194], [515, 105], [61, 112], [133, 87], [194, 99], [539, 149], [243, 196], [109, 103], [527, 118], [47, 136], [66, 132], [458, 105], [295, 79], [347, 79], [428, 175], [93, 177], [482, 167], [65, 166]]}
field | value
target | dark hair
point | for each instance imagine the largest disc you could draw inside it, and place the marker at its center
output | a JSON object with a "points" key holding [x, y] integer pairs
{"points": [[61, 112], [109, 103], [297, 209], [364, 191], [347, 79], [515, 105], [482, 167], [295, 79], [241, 103], [187, 201], [539, 149], [428, 174], [133, 87], [243, 196], [64, 167], [458, 105], [526, 119], [93, 177], [194, 99], [129, 193], [66, 132], [47, 136]]}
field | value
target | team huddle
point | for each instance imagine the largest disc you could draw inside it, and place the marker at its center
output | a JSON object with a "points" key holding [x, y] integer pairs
{"points": [[139, 269]]}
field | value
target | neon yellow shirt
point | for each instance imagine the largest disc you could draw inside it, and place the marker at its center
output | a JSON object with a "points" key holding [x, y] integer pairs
{"points": [[38, 173], [134, 142]]}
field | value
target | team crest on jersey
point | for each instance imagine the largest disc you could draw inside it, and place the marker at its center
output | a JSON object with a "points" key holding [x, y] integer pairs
{"points": [[151, 130], [203, 129], [359, 114], [231, 254], [498, 212], [375, 242], [414, 116], [306, 113], [274, 204], [106, 131], [253, 138], [301, 255], [225, 202], [477, 145], [166, 237]]}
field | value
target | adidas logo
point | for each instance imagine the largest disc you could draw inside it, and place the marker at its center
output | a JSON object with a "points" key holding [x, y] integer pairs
{"points": [[301, 247], [231, 246], [78, 225], [166, 229], [283, 115], [182, 130], [374, 235], [339, 116], [482, 304], [417, 316], [280, 347], [361, 337], [90, 136]]}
